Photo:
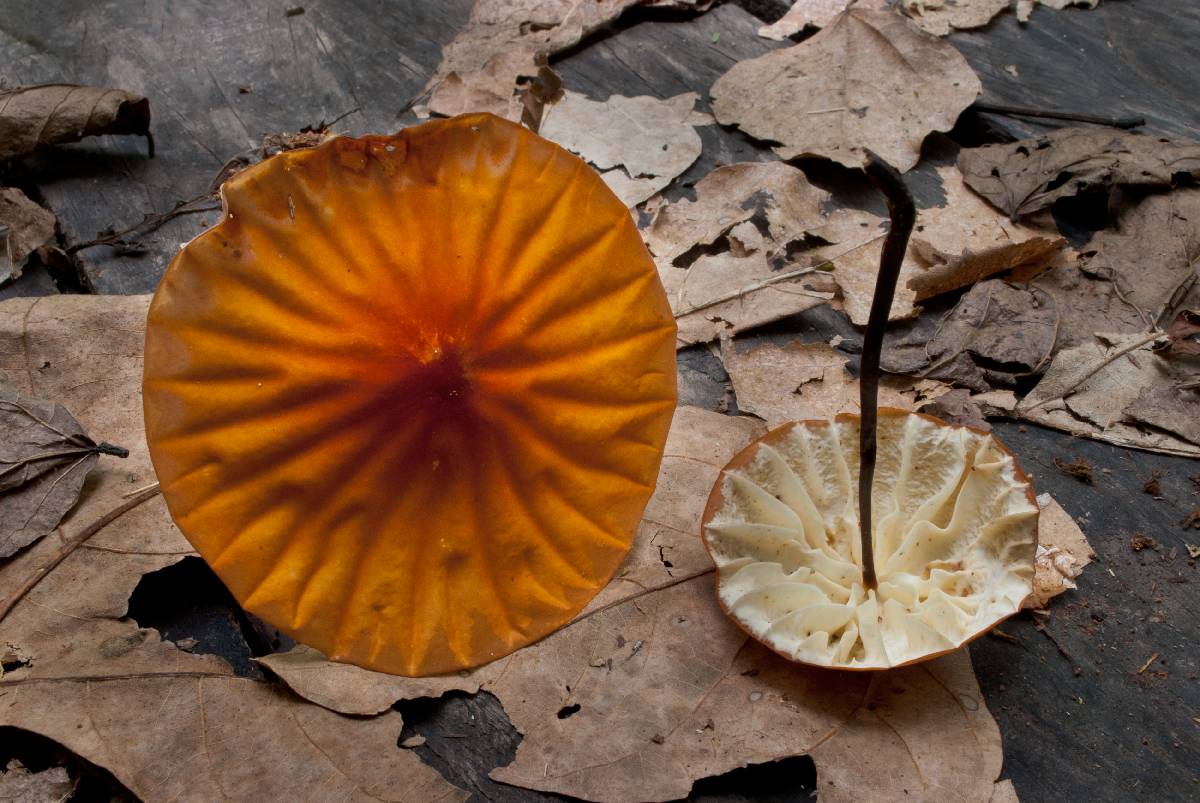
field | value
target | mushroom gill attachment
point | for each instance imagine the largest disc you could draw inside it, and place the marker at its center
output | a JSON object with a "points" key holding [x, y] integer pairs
{"points": [[955, 537], [409, 397]]}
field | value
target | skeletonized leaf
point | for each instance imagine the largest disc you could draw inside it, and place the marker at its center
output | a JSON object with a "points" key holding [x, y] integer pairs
{"points": [[24, 228], [638, 144], [1024, 177], [868, 80], [32, 117], [939, 17], [44, 458]]}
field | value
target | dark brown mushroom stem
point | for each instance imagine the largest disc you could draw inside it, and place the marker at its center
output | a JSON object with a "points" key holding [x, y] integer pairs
{"points": [[903, 215]]}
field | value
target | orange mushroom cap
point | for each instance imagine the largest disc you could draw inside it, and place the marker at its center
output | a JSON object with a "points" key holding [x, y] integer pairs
{"points": [[409, 397]]}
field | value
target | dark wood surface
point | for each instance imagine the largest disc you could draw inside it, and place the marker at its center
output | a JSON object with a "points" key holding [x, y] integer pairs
{"points": [[1078, 719]]}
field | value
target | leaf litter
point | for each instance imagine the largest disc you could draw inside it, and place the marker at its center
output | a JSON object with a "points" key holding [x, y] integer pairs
{"points": [[34, 117], [811, 14], [24, 228], [867, 80]]}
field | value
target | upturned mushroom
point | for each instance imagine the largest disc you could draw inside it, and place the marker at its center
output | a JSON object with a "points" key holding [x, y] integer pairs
{"points": [[409, 397]]}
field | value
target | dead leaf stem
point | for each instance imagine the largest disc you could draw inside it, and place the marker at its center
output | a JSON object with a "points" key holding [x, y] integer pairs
{"points": [[71, 545]]}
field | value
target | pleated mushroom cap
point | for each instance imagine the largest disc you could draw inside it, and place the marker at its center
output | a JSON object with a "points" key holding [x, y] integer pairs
{"points": [[955, 523], [409, 397]]}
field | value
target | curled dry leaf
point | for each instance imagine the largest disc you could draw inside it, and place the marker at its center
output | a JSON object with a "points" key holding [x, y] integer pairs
{"points": [[165, 722], [940, 17], [32, 117], [800, 381], [1062, 552], [44, 458], [24, 228], [19, 785], [1024, 177], [505, 43], [868, 80], [811, 13], [1180, 336], [638, 144]]}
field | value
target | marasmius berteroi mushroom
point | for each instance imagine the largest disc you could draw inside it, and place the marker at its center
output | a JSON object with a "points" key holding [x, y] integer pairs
{"points": [[409, 397], [952, 521]]}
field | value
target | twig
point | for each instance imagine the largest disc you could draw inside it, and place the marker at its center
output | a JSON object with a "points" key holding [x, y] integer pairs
{"points": [[149, 223], [903, 214], [750, 288], [1027, 111], [1057, 327], [1121, 352], [71, 545], [1178, 294]]}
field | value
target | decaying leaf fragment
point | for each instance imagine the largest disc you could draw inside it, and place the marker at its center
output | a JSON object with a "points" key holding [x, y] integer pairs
{"points": [[868, 80], [44, 458], [1025, 7], [638, 144], [1180, 336], [32, 117], [166, 723], [939, 17], [19, 785], [814, 13], [1024, 177], [504, 43], [24, 227], [1062, 552]]}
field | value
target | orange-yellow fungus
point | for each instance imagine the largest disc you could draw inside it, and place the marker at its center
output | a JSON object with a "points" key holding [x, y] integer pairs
{"points": [[409, 398]]}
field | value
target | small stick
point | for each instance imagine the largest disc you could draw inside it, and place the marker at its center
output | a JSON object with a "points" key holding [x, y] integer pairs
{"points": [[1026, 111], [1121, 352], [903, 215]]}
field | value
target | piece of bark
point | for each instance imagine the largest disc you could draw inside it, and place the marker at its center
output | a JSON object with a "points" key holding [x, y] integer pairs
{"points": [[24, 228], [799, 381], [505, 42], [1063, 551], [19, 785], [940, 17], [868, 80], [165, 722], [638, 144], [33, 117], [811, 13], [1020, 178], [45, 456]]}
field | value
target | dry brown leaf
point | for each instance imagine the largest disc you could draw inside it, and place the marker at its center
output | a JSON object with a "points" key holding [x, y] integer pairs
{"points": [[868, 80], [964, 241], [801, 381], [24, 228], [19, 785], [1024, 177], [638, 144], [666, 550], [814, 13], [1025, 7], [1090, 390], [1180, 336], [44, 458], [506, 41], [958, 406], [1062, 552], [1005, 792], [939, 17], [165, 722], [1168, 408], [32, 117]]}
